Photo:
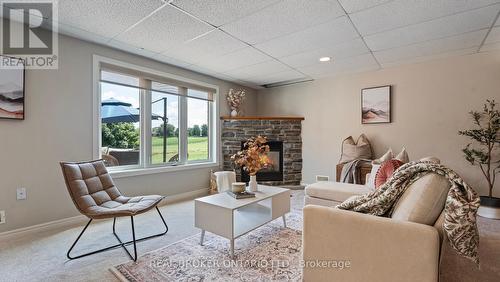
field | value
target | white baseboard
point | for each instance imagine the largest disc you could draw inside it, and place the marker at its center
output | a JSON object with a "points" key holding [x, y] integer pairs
{"points": [[185, 196], [80, 219], [61, 223]]}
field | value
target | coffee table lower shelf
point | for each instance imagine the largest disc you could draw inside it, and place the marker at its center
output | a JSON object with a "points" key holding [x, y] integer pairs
{"points": [[230, 218]]}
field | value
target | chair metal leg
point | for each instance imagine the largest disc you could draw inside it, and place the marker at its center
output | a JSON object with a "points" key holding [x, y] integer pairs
{"points": [[121, 244], [76, 241]]}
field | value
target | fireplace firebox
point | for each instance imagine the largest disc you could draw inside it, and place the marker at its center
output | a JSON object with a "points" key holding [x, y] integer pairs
{"points": [[274, 172]]}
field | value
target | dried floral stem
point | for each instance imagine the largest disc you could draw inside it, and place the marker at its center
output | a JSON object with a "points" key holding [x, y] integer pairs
{"points": [[253, 157]]}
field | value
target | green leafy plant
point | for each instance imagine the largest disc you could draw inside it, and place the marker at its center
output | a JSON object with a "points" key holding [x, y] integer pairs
{"points": [[487, 136], [120, 135]]}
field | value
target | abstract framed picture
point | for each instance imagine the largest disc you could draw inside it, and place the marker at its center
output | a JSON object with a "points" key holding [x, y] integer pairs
{"points": [[12, 88], [376, 105]]}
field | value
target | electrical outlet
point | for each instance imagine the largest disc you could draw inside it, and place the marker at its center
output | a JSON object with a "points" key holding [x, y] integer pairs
{"points": [[2, 217], [21, 193]]}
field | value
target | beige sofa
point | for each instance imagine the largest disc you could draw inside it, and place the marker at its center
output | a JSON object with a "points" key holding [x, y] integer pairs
{"points": [[341, 245]]}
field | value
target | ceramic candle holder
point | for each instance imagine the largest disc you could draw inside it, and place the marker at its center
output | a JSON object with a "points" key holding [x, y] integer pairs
{"points": [[238, 187]]}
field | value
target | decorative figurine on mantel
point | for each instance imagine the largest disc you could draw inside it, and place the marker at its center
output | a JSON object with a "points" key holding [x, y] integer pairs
{"points": [[235, 99], [253, 158]]}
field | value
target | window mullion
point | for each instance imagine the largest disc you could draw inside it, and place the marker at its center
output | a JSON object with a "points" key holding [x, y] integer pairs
{"points": [[183, 134], [145, 123]]}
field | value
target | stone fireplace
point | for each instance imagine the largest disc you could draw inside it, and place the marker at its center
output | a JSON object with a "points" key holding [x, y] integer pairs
{"points": [[284, 139], [275, 171]]}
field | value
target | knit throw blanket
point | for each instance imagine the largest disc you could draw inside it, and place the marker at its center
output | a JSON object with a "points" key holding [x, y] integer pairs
{"points": [[460, 209]]}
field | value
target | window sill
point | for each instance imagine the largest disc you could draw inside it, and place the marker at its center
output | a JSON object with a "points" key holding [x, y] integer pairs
{"points": [[154, 170]]}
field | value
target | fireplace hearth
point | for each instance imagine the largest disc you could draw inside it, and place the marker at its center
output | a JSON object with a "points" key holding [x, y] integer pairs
{"points": [[285, 141]]}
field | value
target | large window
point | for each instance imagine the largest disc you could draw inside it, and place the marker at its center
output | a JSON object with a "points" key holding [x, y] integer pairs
{"points": [[148, 120]]}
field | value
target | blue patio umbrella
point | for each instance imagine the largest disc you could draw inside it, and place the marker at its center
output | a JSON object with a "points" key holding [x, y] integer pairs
{"points": [[113, 111]]}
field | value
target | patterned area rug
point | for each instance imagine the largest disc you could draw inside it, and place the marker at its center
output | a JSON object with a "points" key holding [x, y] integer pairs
{"points": [[269, 253]]}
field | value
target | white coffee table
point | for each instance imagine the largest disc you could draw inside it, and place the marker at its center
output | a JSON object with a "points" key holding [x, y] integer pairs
{"points": [[230, 218]]}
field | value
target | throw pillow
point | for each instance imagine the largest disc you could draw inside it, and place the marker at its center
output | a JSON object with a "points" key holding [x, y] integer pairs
{"points": [[361, 149], [430, 159], [371, 180], [403, 156], [387, 156], [385, 171]]}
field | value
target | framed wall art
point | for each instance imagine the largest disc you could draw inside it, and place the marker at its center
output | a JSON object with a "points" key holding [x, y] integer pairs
{"points": [[12, 88], [376, 105]]}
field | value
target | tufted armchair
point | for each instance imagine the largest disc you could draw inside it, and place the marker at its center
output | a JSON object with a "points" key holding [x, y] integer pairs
{"points": [[95, 195]]}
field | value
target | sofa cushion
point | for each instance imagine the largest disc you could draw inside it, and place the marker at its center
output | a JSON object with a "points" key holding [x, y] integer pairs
{"points": [[423, 201], [335, 191]]}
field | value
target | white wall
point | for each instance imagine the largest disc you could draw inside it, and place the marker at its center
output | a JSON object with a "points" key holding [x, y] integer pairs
{"points": [[430, 104], [58, 127]]}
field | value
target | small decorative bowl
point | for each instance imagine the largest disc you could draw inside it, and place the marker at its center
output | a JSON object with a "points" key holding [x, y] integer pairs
{"points": [[238, 187]]}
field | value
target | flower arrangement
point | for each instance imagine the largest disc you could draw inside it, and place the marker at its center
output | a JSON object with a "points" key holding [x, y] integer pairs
{"points": [[235, 99], [254, 157]]}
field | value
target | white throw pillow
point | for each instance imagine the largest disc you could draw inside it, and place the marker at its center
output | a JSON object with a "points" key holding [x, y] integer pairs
{"points": [[403, 156], [371, 180], [387, 156]]}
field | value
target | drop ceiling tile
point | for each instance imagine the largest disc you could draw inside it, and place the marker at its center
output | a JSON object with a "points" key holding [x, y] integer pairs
{"points": [[352, 6], [264, 68], [201, 70], [428, 48], [323, 35], [171, 61], [165, 29], [81, 34], [401, 13], [494, 36], [105, 18], [244, 57], [490, 47], [131, 49], [224, 77], [213, 44], [283, 18], [219, 12], [347, 65], [347, 49], [277, 77], [443, 27], [443, 55]]}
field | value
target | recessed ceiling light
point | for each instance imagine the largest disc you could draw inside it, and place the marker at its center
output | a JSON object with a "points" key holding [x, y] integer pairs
{"points": [[325, 59]]}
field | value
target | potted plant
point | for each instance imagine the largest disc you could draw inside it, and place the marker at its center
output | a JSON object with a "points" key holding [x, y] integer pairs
{"points": [[487, 136], [253, 158]]}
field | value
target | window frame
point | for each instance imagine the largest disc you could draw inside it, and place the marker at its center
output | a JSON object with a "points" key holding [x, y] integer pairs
{"points": [[145, 165]]}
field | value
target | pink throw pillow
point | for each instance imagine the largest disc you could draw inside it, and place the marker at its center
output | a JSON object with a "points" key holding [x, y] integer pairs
{"points": [[385, 171]]}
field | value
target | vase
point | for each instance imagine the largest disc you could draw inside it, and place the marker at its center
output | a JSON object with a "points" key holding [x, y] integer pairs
{"points": [[252, 185], [234, 113]]}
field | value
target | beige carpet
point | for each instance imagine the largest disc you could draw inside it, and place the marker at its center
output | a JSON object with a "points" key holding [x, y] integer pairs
{"points": [[270, 253], [41, 256]]}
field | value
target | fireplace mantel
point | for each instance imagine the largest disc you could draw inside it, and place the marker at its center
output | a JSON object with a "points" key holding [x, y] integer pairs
{"points": [[261, 118]]}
